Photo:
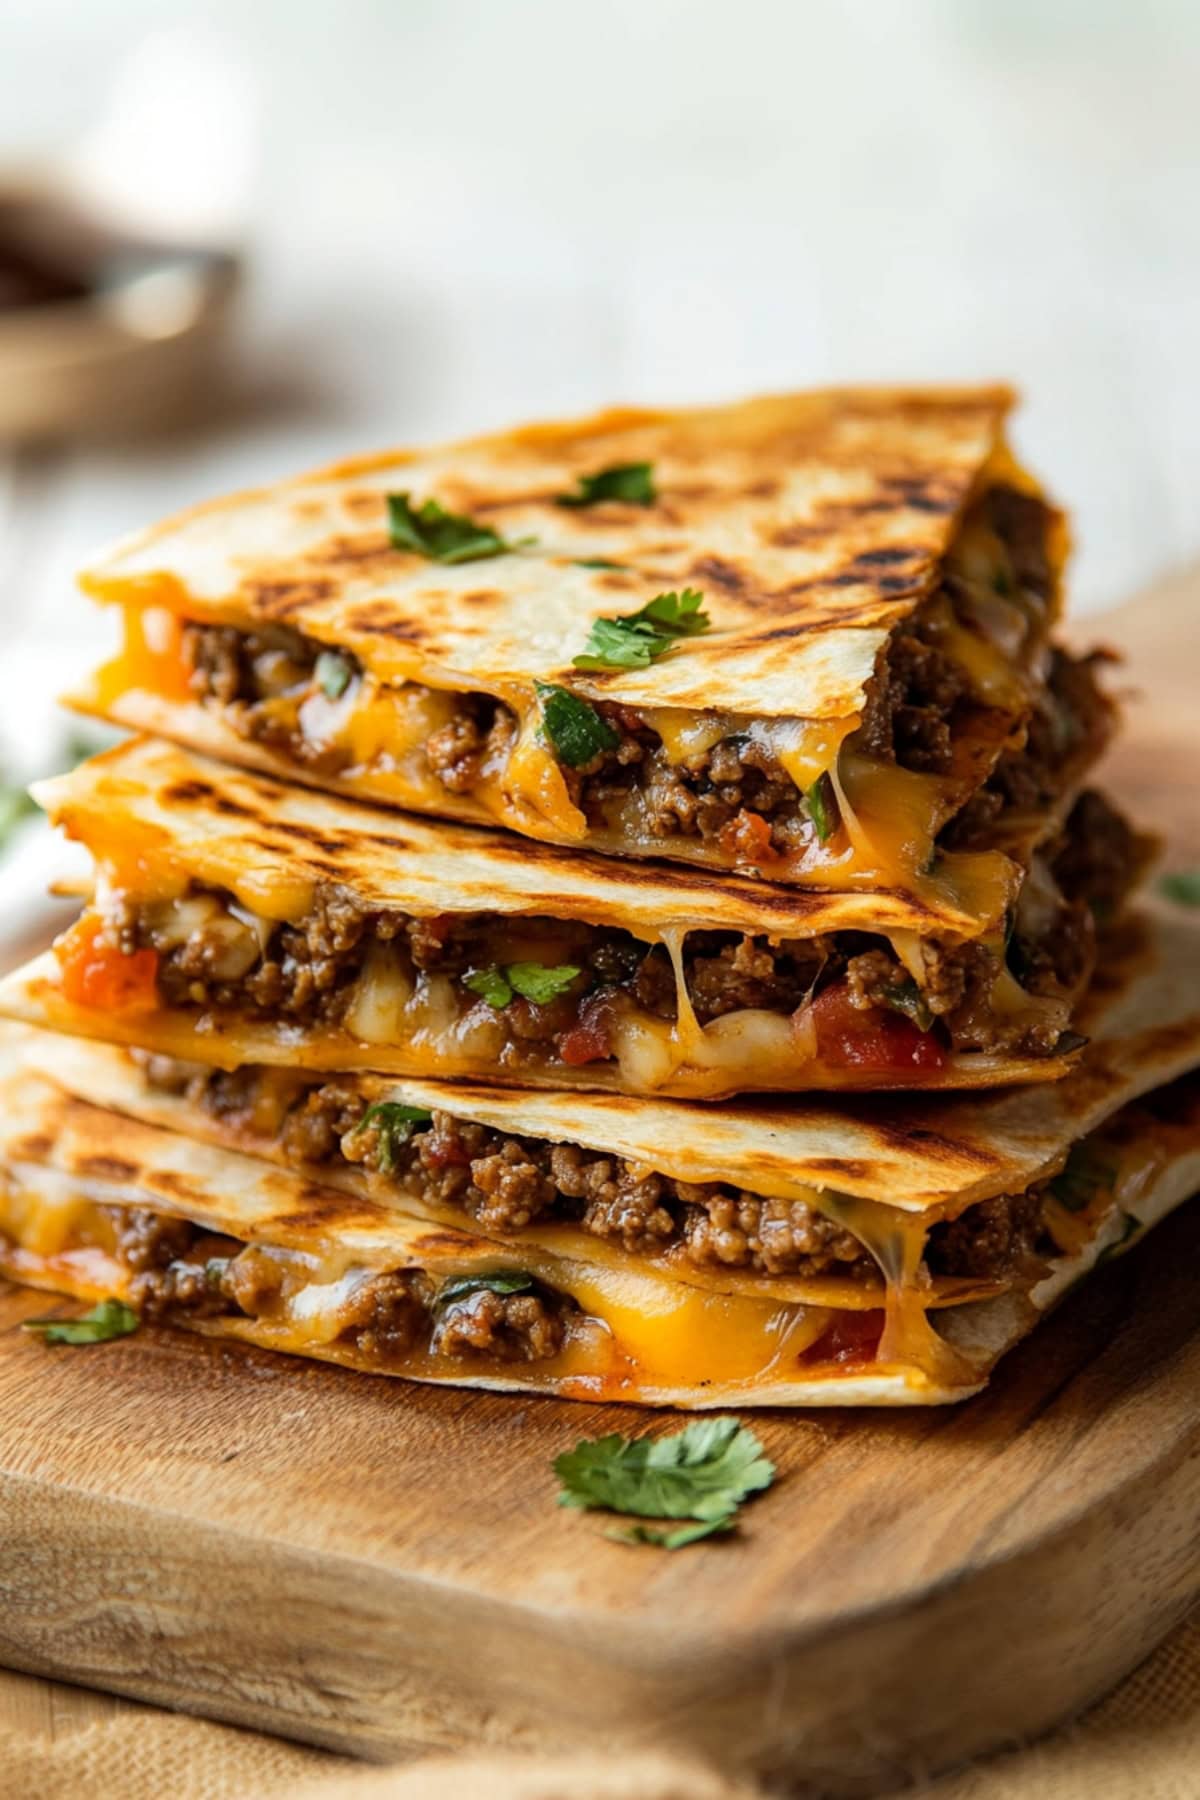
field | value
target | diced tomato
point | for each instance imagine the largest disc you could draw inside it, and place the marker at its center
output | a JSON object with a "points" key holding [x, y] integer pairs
{"points": [[853, 1337], [97, 974], [747, 839], [590, 1039], [854, 1037]]}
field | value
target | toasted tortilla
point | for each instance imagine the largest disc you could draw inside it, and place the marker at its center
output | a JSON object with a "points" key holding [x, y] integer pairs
{"points": [[779, 508], [638, 1338], [157, 818], [886, 1169], [812, 524], [908, 1152]]}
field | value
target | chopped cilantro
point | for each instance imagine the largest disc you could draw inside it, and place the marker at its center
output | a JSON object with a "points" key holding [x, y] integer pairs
{"points": [[1130, 1229], [575, 729], [108, 1319], [443, 536], [533, 981], [1182, 886], [702, 1473], [15, 805], [1085, 1174], [395, 1123], [511, 1281], [490, 985], [333, 674], [676, 1537], [632, 482], [596, 562], [823, 807], [906, 997], [634, 640]]}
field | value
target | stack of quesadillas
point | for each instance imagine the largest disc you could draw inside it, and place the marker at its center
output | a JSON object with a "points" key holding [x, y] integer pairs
{"points": [[745, 803]]}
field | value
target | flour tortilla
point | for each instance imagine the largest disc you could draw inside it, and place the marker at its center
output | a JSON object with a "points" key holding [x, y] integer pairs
{"points": [[56, 1152], [812, 522]]}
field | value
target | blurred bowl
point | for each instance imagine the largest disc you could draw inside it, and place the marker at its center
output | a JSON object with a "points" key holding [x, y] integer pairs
{"points": [[102, 331]]}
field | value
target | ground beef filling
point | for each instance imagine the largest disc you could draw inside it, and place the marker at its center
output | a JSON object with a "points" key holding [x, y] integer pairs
{"points": [[503, 1184], [214, 960], [736, 790], [180, 1269]]}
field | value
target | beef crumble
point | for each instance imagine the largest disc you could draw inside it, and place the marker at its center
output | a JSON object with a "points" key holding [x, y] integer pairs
{"points": [[179, 1268], [214, 959], [503, 1183]]}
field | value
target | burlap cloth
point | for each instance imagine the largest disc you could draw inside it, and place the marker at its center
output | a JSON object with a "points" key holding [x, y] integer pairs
{"points": [[1143, 1741]]}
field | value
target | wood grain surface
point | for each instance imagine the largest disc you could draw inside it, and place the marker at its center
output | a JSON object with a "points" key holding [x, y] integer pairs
{"points": [[378, 1567]]}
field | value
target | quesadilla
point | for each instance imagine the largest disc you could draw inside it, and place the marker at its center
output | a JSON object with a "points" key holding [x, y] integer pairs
{"points": [[237, 920], [795, 636], [887, 1252]]}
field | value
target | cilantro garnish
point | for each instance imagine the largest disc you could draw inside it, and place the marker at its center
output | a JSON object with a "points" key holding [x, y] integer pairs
{"points": [[1130, 1229], [333, 674], [632, 482], [596, 562], [1085, 1174], [511, 1281], [633, 640], [576, 730], [703, 1473], [674, 1539], [533, 981], [395, 1123], [15, 805], [823, 807], [906, 997], [108, 1319], [443, 536], [1183, 886]]}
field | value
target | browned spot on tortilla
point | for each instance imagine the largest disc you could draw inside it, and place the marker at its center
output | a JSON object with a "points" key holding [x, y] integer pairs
{"points": [[186, 793], [36, 1145], [280, 597], [722, 574], [172, 1182], [106, 1167]]}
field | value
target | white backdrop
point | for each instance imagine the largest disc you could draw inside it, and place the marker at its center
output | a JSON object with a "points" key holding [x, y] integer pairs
{"points": [[461, 212]]}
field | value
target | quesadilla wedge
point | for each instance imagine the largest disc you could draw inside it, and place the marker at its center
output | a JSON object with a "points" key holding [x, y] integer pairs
{"points": [[239, 920], [888, 1254], [793, 636]]}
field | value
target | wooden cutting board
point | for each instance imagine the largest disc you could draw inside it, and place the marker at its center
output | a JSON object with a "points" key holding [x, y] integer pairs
{"points": [[376, 1566]]}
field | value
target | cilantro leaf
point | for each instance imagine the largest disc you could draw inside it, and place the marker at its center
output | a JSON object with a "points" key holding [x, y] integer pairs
{"points": [[491, 986], [504, 1281], [596, 562], [533, 981], [633, 640], [1183, 886], [823, 807], [703, 1472], [395, 1124], [333, 674], [1131, 1229], [575, 729], [632, 482], [676, 1537], [443, 536], [536, 982], [108, 1319], [1085, 1174], [905, 997], [15, 805]]}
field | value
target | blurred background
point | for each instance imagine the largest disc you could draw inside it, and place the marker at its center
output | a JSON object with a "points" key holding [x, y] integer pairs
{"points": [[444, 217]]}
